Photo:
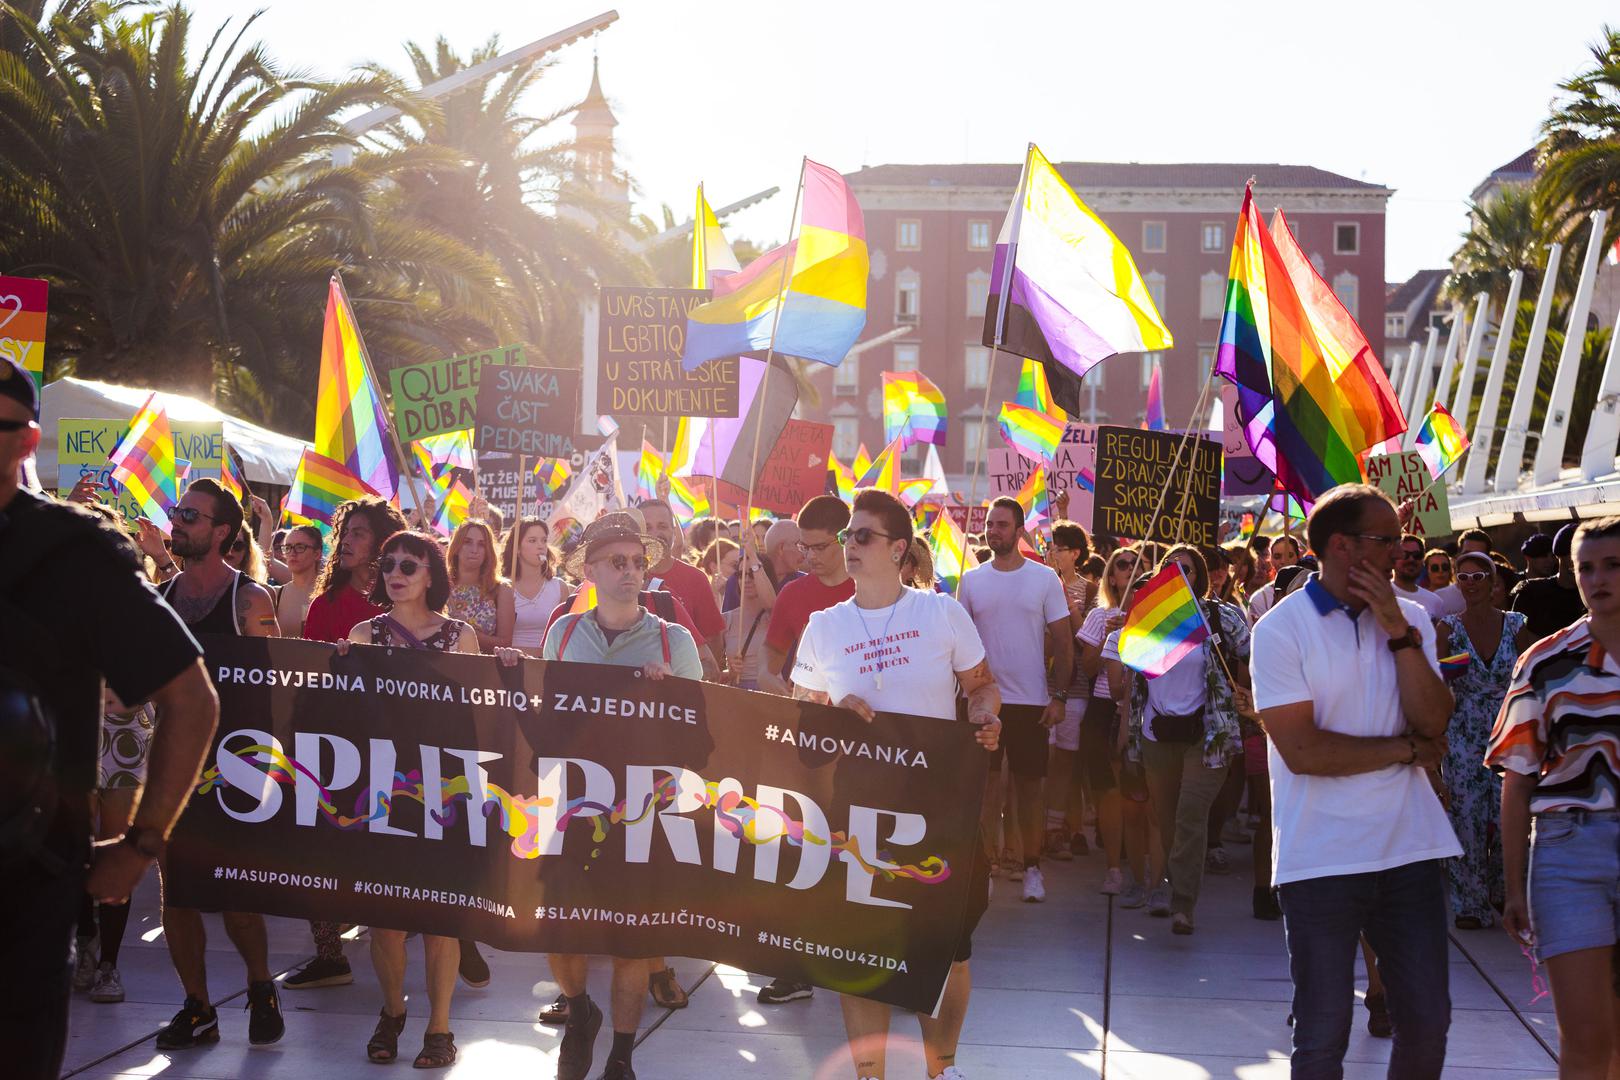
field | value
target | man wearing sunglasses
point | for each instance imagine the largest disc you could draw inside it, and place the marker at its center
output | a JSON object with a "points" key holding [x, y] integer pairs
{"points": [[214, 598], [614, 555], [1408, 568]]}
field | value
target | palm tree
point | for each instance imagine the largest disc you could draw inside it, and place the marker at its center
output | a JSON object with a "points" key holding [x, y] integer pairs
{"points": [[1580, 152], [1506, 232], [187, 215]]}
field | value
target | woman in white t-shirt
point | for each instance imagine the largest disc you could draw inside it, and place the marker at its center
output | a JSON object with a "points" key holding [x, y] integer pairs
{"points": [[918, 646], [536, 589]]}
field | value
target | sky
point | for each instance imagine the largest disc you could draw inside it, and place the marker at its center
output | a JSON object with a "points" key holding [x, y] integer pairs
{"points": [[1425, 98]]}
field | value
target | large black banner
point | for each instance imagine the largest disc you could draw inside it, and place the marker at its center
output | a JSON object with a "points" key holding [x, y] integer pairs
{"points": [[585, 809]]}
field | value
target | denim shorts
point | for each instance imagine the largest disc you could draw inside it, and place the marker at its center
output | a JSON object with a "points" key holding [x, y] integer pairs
{"points": [[1575, 881]]}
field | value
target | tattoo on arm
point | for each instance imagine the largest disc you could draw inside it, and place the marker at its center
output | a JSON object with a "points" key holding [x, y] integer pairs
{"points": [[819, 697]]}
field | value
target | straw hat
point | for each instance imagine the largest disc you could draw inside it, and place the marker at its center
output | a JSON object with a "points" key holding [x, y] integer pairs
{"points": [[615, 528]]}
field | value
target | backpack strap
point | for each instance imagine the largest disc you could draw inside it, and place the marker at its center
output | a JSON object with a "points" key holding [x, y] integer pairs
{"points": [[568, 632], [663, 636]]}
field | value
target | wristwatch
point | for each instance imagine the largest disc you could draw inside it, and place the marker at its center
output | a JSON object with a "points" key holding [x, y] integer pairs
{"points": [[146, 840], [1060, 695], [1409, 640]]}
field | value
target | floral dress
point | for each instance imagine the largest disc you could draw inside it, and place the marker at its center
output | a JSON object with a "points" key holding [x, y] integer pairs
{"points": [[470, 604], [1476, 792]]}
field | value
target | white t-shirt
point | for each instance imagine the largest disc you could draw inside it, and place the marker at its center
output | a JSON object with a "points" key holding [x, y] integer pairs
{"points": [[1012, 608], [1451, 599], [1178, 692], [920, 641], [1430, 603], [1309, 648], [1094, 631]]}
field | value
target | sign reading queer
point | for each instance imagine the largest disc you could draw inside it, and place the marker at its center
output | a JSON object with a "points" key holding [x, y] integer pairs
{"points": [[440, 395], [22, 323], [575, 808], [796, 470], [638, 371], [1136, 467], [1404, 477], [528, 410]]}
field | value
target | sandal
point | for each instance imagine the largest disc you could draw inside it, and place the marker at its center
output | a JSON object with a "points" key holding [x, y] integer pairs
{"points": [[438, 1051], [666, 992], [384, 1044]]}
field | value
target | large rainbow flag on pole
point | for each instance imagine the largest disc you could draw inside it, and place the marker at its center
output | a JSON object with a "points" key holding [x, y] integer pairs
{"points": [[818, 311], [712, 257], [321, 485], [913, 409], [1165, 624], [143, 463], [350, 424]]}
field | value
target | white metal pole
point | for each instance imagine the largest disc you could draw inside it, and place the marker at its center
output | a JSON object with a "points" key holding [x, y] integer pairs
{"points": [[1442, 384], [1510, 463], [1462, 399], [1555, 427], [1597, 456], [1420, 399], [1490, 403], [1397, 366], [1414, 361]]}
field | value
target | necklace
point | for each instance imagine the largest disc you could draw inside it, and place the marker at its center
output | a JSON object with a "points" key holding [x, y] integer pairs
{"points": [[877, 679]]}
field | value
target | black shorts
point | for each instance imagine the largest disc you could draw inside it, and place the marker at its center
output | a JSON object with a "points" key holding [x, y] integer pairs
{"points": [[1024, 738], [978, 901], [1099, 735]]}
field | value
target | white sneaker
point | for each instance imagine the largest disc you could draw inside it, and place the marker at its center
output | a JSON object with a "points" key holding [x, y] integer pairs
{"points": [[84, 963], [109, 987], [1113, 882], [1034, 886]]}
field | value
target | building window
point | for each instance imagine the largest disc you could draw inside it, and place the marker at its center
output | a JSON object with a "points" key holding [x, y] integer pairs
{"points": [[1211, 295], [846, 436], [1348, 289], [1151, 360], [1206, 361], [908, 235], [978, 236], [907, 296], [1155, 287], [1096, 377], [1152, 236], [1439, 320], [978, 294], [1395, 325], [1318, 264], [1214, 236], [972, 441], [907, 357], [1346, 238], [975, 367], [847, 377]]}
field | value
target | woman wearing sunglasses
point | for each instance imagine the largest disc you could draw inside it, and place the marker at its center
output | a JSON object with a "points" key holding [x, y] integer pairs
{"points": [[301, 551], [1492, 640], [925, 645]]}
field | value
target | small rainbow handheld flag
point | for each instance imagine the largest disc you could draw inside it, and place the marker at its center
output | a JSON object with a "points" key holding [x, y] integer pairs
{"points": [[1035, 392], [1035, 498], [843, 477], [321, 486], [454, 503], [1034, 435], [913, 409], [450, 450], [860, 466], [688, 499], [912, 491], [952, 556], [552, 473], [230, 475], [1165, 624], [1455, 667], [649, 470], [144, 464], [1441, 440]]}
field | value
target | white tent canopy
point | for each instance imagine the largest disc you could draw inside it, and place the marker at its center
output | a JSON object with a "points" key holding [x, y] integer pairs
{"points": [[267, 457]]}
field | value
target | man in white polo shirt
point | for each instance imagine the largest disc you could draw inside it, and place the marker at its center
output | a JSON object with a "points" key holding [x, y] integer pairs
{"points": [[1349, 691]]}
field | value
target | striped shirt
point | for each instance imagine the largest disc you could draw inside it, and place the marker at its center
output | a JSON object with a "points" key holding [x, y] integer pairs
{"points": [[1561, 721]]}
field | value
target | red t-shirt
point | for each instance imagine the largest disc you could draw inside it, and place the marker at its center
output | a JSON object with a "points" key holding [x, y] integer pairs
{"points": [[691, 587], [797, 601], [335, 612], [682, 616]]}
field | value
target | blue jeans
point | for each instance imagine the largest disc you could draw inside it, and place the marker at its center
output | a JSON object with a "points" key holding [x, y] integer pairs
{"points": [[1403, 913]]}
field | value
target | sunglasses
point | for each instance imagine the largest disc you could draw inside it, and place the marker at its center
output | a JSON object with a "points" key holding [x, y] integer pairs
{"points": [[1473, 575], [621, 562], [1438, 568], [299, 549], [388, 564], [861, 536], [188, 515]]}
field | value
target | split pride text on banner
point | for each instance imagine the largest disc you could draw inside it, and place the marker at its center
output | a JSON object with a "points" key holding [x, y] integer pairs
{"points": [[583, 809]]}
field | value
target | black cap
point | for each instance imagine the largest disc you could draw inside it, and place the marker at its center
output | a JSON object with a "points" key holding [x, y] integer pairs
{"points": [[17, 384], [1538, 546], [1564, 542]]}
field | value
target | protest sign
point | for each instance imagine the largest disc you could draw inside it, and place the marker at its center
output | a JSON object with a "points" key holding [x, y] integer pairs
{"points": [[796, 469], [575, 808], [1135, 468], [1074, 469], [1406, 476], [969, 520], [22, 323], [83, 446], [1007, 470], [530, 411], [441, 395], [639, 346], [1244, 474]]}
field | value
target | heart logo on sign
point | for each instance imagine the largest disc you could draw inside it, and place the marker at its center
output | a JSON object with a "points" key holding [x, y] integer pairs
{"points": [[14, 302], [815, 459]]}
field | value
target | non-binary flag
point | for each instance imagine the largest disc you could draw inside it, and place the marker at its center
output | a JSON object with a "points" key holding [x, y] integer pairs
{"points": [[1153, 415], [321, 485], [712, 257], [1165, 624], [1034, 435], [1441, 440], [808, 297], [913, 409], [143, 463], [350, 424], [1035, 391], [952, 556]]}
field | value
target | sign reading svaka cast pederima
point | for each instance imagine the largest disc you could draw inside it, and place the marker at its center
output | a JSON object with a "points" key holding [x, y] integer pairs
{"points": [[530, 411], [575, 808], [638, 370], [1161, 482]]}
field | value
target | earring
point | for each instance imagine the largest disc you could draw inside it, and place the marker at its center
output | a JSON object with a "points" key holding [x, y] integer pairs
{"points": [[896, 558]]}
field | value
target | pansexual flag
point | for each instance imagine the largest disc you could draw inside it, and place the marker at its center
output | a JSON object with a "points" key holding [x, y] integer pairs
{"points": [[712, 257], [952, 556], [321, 485], [350, 425], [144, 465], [1034, 435], [1441, 440], [913, 409], [822, 308], [1073, 296], [1164, 625], [1035, 392], [1153, 415]]}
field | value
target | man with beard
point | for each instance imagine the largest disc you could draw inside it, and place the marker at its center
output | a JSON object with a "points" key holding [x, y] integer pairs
{"points": [[214, 598]]}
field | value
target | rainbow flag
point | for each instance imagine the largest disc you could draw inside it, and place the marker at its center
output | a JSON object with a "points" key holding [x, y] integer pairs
{"points": [[584, 599], [1165, 624], [321, 485], [552, 474], [1034, 435], [144, 465], [1246, 527], [862, 464], [1441, 440], [1153, 416], [1035, 392], [1034, 497], [230, 474], [454, 503], [822, 309], [843, 477], [952, 556], [913, 409], [1455, 667], [712, 257], [649, 470], [450, 450], [884, 472], [350, 424], [912, 491], [688, 499]]}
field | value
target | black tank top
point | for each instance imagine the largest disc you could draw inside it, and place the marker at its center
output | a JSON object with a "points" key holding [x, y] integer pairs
{"points": [[221, 618]]}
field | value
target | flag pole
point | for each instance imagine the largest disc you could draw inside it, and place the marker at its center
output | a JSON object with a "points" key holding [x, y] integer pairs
{"points": [[523, 469], [371, 373], [1186, 440], [770, 353]]}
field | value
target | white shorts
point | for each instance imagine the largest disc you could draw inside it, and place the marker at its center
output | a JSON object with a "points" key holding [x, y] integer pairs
{"points": [[1066, 735]]}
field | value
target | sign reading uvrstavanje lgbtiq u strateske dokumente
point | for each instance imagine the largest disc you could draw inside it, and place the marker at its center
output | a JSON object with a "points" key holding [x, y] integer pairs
{"points": [[638, 370], [1158, 481], [575, 808]]}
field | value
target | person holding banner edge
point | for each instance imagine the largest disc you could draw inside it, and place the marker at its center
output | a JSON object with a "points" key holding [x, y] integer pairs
{"points": [[932, 647]]}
